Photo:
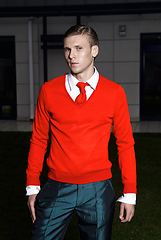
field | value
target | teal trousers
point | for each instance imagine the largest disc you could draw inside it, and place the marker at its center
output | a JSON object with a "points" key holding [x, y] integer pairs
{"points": [[57, 201]]}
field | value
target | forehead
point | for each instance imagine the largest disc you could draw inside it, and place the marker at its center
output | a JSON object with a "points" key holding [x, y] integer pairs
{"points": [[76, 40]]}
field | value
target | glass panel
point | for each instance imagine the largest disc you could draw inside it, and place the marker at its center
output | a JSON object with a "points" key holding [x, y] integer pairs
{"points": [[152, 85], [151, 39], [7, 88]]}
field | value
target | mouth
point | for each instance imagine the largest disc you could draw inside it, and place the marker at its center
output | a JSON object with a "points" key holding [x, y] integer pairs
{"points": [[73, 63]]}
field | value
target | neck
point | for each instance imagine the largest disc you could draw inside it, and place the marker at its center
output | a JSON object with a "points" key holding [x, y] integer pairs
{"points": [[84, 76]]}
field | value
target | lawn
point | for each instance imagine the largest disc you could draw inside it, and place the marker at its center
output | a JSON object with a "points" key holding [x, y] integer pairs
{"points": [[15, 221]]}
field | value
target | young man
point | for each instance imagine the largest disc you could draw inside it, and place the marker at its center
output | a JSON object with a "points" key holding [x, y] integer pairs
{"points": [[80, 108]]}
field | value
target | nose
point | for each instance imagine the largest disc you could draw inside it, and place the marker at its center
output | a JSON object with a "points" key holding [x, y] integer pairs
{"points": [[72, 54]]}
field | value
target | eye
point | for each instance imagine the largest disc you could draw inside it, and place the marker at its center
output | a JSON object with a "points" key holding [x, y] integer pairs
{"points": [[79, 48], [66, 49]]}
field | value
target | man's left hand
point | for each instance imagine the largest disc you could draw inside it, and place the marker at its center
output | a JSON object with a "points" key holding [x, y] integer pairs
{"points": [[129, 209]]}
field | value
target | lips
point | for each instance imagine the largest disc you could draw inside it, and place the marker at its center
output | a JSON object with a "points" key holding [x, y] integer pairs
{"points": [[73, 63]]}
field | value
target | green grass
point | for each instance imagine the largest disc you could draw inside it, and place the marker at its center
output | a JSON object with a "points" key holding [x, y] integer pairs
{"points": [[15, 221]]}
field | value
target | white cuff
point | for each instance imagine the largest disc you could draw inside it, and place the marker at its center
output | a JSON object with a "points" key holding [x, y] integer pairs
{"points": [[30, 190], [129, 198]]}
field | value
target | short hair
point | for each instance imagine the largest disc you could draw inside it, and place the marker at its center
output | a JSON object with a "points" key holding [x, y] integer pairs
{"points": [[81, 30]]}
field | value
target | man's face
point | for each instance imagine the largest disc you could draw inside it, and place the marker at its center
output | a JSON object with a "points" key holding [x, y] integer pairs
{"points": [[80, 55]]}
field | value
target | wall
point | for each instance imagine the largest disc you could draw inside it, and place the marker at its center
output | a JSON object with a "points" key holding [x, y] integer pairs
{"points": [[118, 60], [119, 56], [19, 29], [16, 3]]}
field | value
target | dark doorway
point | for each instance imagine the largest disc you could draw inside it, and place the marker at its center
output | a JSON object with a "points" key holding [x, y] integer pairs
{"points": [[150, 93], [7, 78]]}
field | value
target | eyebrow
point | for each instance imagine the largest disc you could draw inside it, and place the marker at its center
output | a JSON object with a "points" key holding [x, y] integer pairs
{"points": [[78, 45], [74, 46], [66, 48]]}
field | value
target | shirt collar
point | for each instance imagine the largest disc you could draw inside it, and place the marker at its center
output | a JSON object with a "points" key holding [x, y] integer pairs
{"points": [[72, 81]]}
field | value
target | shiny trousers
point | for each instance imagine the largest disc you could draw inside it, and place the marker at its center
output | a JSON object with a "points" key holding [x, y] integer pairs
{"points": [[57, 201]]}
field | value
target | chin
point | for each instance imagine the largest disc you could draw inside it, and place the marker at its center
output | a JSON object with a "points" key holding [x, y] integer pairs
{"points": [[74, 71]]}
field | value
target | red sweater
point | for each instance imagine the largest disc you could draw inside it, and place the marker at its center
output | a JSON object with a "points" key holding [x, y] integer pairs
{"points": [[80, 135]]}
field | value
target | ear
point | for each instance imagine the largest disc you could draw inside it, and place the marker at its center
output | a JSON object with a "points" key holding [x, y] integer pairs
{"points": [[95, 51]]}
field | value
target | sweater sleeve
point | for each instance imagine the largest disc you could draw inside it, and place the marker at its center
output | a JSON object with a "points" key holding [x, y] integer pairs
{"points": [[125, 142], [38, 141]]}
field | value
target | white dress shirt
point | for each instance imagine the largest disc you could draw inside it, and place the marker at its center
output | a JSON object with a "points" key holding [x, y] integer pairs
{"points": [[74, 91]]}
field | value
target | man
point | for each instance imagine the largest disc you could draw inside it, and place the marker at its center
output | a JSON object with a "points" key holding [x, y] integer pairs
{"points": [[79, 109]]}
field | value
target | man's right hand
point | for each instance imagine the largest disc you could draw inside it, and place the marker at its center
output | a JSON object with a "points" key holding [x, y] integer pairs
{"points": [[31, 205]]}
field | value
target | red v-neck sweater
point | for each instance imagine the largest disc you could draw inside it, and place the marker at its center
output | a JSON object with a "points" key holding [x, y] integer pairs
{"points": [[80, 135]]}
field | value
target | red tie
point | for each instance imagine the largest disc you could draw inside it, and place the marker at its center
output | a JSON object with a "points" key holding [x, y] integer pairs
{"points": [[81, 98]]}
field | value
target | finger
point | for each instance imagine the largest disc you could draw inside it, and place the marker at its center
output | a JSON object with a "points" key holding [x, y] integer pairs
{"points": [[129, 216], [32, 210], [127, 219], [31, 205], [121, 215]]}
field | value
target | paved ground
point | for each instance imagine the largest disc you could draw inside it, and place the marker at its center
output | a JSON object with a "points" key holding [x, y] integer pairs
{"points": [[26, 126]]}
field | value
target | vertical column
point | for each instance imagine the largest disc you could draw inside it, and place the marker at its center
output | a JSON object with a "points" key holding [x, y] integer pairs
{"points": [[45, 48], [31, 78]]}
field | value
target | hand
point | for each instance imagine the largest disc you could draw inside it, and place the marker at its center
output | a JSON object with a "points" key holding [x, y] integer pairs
{"points": [[31, 205], [129, 208]]}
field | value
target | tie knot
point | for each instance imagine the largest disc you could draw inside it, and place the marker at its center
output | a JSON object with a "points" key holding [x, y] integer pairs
{"points": [[82, 85], [81, 98]]}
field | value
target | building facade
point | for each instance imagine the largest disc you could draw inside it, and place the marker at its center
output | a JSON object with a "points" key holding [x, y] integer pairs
{"points": [[130, 53]]}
